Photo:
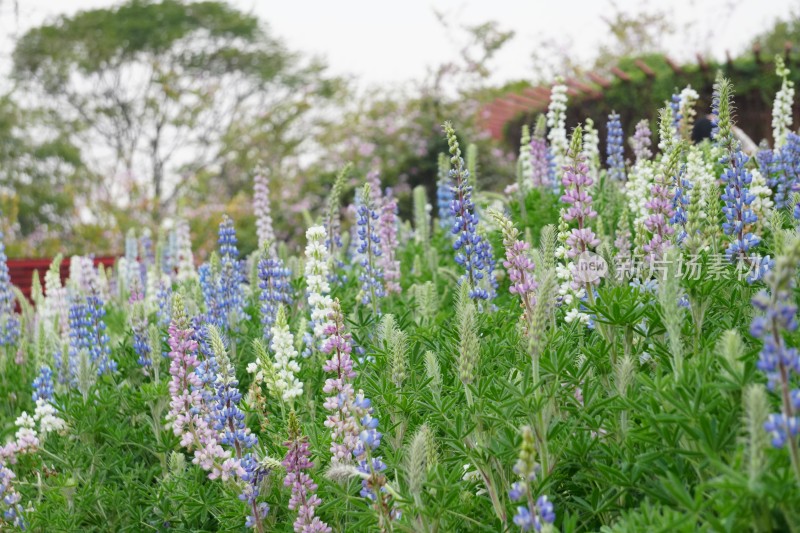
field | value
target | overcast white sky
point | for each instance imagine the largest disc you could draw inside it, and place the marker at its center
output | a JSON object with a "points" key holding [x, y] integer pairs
{"points": [[391, 42]]}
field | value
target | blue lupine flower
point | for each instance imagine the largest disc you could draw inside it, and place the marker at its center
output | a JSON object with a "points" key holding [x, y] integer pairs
{"points": [[675, 105], [9, 322], [369, 249], [141, 344], [43, 384], [253, 476], [275, 289], [164, 298], [472, 251], [788, 177], [615, 149], [100, 349], [680, 203], [444, 198], [552, 175]]}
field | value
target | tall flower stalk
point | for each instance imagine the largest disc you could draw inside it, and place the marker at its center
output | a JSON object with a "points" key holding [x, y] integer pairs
{"points": [[303, 500], [472, 252], [615, 149], [369, 249]]}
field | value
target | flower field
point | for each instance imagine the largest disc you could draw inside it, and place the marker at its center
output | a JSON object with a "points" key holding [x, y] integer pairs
{"points": [[606, 345]]}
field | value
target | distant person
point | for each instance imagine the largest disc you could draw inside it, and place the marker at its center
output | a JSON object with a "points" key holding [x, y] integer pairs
{"points": [[701, 130]]}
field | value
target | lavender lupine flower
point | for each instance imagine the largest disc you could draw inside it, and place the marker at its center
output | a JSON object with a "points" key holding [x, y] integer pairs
{"points": [[275, 288], [576, 182], [316, 274], [472, 251], [556, 121], [43, 385], [540, 164], [640, 141], [369, 249], [132, 268], [659, 205], [777, 360], [303, 499], [614, 148], [387, 232], [739, 215], [341, 421], [535, 514], [444, 193], [9, 322], [264, 231], [188, 414], [519, 265]]}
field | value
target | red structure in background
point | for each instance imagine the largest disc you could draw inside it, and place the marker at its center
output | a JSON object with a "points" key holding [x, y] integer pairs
{"points": [[21, 270]]}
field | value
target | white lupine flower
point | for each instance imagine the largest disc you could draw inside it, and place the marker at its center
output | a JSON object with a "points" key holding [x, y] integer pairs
{"points": [[637, 189], [56, 306], [285, 366], [556, 121], [700, 173], [782, 107], [185, 258], [573, 315], [48, 419], [316, 273], [762, 203], [25, 421]]}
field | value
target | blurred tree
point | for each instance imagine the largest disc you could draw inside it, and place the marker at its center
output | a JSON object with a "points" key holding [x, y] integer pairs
{"points": [[40, 178], [159, 93], [773, 41]]}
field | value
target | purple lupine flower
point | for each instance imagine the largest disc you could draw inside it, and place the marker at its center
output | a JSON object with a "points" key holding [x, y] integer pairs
{"points": [[789, 165], [43, 385], [189, 414], [539, 161], [303, 499], [97, 340], [9, 322], [614, 148], [275, 289], [369, 249], [778, 316], [343, 425], [576, 182], [640, 141], [222, 281], [472, 251], [387, 232]]}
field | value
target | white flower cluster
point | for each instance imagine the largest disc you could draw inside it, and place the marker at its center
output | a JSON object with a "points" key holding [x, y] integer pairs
{"points": [[782, 107], [27, 437], [762, 204], [556, 121], [567, 295], [185, 259], [525, 165], [637, 188], [286, 383], [56, 306], [316, 273], [700, 173]]}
